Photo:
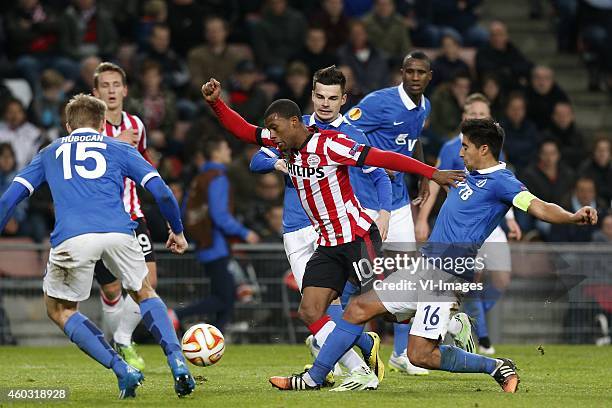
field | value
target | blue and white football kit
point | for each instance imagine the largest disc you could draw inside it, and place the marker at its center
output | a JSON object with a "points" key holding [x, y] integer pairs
{"points": [[85, 172], [391, 121], [472, 210], [496, 256]]}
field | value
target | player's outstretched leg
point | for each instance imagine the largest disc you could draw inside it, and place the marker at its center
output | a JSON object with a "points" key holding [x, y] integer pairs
{"points": [[426, 353], [399, 359], [89, 338], [155, 318]]}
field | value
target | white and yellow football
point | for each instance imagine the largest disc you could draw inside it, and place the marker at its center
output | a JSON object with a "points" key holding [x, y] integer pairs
{"points": [[203, 344]]}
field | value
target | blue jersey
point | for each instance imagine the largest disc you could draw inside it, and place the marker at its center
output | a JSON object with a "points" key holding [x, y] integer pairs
{"points": [[362, 178], [294, 216], [472, 211], [391, 121], [85, 172], [449, 158]]}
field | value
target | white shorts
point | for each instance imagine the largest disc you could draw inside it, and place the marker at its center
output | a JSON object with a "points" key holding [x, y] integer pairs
{"points": [[299, 247], [496, 252], [403, 295], [70, 268], [401, 236]]}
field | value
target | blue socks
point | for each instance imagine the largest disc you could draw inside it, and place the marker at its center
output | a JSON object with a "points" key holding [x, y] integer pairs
{"points": [[82, 332], [490, 295], [155, 317], [335, 312], [457, 360], [339, 341], [400, 337], [474, 308], [349, 290]]}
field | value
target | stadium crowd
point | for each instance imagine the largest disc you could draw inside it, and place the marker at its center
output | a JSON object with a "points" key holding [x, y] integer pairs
{"points": [[262, 50]]}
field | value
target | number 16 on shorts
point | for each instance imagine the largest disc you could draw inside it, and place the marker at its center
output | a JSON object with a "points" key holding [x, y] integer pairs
{"points": [[431, 320]]}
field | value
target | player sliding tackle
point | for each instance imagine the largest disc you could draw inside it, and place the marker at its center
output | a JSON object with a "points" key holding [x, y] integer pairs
{"points": [[85, 172], [317, 163], [471, 211]]}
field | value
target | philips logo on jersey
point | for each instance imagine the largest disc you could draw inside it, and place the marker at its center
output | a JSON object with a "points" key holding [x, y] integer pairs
{"points": [[305, 172], [82, 138]]}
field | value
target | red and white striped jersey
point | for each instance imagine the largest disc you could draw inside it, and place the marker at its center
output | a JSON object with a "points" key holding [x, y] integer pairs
{"points": [[130, 197], [320, 175]]}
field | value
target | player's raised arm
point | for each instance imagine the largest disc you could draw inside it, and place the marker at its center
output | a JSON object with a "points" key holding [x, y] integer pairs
{"points": [[552, 213], [399, 162], [230, 119]]}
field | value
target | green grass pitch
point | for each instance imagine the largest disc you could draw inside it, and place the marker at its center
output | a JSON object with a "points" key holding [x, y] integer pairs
{"points": [[561, 376]]}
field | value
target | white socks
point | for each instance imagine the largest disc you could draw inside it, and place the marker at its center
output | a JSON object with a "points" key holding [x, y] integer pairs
{"points": [[130, 317], [111, 315]]}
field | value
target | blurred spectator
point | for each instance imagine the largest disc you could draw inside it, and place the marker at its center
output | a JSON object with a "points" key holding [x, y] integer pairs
{"points": [[210, 223], [448, 63], [595, 27], [87, 30], [583, 193], [542, 95], [212, 59], [245, 95], [8, 166], [242, 178], [502, 58], [185, 18], [568, 137], [84, 83], [566, 24], [273, 231], [447, 105], [47, 105], [353, 96], [32, 32], [24, 137], [314, 54], [277, 36], [268, 192], [332, 19], [387, 31], [367, 62], [297, 86], [549, 180], [491, 88], [174, 71], [154, 12], [521, 142], [459, 17], [604, 234], [156, 104], [599, 168]]}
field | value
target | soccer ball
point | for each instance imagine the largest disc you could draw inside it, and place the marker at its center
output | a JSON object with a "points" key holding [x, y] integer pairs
{"points": [[203, 344]]}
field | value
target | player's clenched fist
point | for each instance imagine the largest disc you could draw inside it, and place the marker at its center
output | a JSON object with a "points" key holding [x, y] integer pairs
{"points": [[211, 90], [585, 216], [448, 177], [176, 243]]}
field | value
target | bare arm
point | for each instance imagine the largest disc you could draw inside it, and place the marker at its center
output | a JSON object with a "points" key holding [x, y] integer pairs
{"points": [[554, 214]]}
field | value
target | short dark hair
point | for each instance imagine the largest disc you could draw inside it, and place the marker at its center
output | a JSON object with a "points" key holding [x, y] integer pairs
{"points": [[285, 108], [484, 132], [329, 76], [420, 55], [210, 145]]}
